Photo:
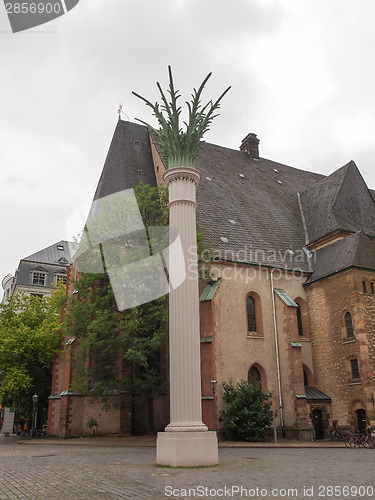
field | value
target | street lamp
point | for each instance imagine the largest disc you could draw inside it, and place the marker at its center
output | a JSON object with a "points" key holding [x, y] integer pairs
{"points": [[213, 385], [35, 400]]}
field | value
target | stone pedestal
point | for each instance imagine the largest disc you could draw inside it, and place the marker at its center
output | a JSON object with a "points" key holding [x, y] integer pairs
{"points": [[187, 449], [186, 440]]}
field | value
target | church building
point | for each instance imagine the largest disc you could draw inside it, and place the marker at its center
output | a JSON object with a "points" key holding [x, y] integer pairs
{"points": [[291, 299]]}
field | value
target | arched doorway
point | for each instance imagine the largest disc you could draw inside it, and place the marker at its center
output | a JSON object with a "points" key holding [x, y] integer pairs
{"points": [[257, 374], [254, 375], [361, 419], [318, 423]]}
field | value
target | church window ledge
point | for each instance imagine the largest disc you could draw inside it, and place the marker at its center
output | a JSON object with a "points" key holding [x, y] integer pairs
{"points": [[254, 335], [206, 339], [349, 340], [355, 381]]}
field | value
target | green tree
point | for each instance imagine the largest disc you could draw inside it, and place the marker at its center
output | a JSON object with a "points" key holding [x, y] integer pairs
{"points": [[118, 350], [113, 346], [248, 412], [30, 331]]}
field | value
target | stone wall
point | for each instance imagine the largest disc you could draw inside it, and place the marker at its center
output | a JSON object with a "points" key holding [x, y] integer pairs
{"points": [[237, 350], [332, 350]]}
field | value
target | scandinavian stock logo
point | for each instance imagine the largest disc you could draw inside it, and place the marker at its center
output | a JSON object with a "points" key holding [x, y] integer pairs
{"points": [[24, 15], [136, 257]]}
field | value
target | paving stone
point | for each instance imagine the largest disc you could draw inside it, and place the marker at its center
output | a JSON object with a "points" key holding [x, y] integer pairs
{"points": [[116, 472]]}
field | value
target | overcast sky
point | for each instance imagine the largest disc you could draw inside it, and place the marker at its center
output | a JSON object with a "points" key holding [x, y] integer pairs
{"points": [[302, 76]]}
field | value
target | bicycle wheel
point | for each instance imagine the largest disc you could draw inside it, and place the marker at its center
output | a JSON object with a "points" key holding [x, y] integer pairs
{"points": [[350, 442], [357, 442], [367, 442]]}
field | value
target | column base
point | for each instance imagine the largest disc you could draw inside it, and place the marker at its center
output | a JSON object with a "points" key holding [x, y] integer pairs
{"points": [[187, 449], [195, 427]]}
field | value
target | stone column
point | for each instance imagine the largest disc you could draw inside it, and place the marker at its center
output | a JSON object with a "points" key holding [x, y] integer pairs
{"points": [[186, 440]]}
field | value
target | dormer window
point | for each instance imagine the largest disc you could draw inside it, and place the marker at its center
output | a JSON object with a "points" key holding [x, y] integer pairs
{"points": [[61, 278], [38, 278]]}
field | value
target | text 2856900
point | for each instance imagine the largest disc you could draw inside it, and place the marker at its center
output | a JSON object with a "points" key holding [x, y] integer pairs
{"points": [[346, 491], [33, 8]]}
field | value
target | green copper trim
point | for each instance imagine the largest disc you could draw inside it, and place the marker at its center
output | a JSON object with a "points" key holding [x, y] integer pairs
{"points": [[285, 297], [209, 290]]}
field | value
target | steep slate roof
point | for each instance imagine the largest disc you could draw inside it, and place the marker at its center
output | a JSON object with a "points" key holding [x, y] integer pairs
{"points": [[339, 201], [249, 209], [49, 260], [261, 198], [129, 160], [52, 254], [354, 251]]}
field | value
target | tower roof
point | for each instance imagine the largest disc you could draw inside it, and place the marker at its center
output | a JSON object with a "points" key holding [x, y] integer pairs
{"points": [[355, 251], [128, 162], [339, 201]]}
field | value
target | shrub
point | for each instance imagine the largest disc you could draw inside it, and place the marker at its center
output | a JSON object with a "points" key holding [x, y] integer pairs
{"points": [[248, 413], [91, 423]]}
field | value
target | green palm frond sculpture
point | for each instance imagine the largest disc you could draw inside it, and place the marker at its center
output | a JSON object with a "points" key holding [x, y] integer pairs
{"points": [[179, 147]]}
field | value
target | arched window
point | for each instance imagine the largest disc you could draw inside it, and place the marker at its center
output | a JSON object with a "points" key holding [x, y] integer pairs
{"points": [[299, 320], [254, 375], [349, 325], [302, 318], [354, 369], [305, 379], [254, 320], [308, 377], [251, 314]]}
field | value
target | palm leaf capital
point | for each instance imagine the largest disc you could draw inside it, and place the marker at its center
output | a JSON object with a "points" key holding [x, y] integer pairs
{"points": [[181, 148]]}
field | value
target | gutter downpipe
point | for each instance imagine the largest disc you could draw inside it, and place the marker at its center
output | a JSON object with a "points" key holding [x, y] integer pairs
{"points": [[277, 353]]}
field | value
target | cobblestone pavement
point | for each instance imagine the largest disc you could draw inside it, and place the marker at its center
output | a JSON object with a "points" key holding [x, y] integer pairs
{"points": [[63, 471]]}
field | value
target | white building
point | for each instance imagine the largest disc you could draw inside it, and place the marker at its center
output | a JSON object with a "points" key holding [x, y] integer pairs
{"points": [[38, 273]]}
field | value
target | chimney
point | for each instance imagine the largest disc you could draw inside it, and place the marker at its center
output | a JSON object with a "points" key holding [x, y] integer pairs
{"points": [[251, 145]]}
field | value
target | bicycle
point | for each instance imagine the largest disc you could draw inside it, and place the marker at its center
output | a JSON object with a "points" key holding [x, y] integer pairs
{"points": [[366, 440], [350, 441], [336, 435]]}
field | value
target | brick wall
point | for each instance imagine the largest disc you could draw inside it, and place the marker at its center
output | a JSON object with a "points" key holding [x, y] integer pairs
{"points": [[328, 301]]}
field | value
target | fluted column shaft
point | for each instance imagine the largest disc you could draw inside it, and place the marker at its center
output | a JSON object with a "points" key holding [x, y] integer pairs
{"points": [[184, 336]]}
